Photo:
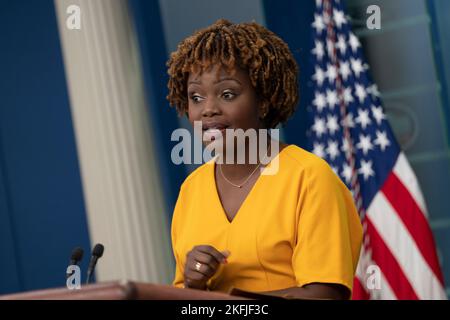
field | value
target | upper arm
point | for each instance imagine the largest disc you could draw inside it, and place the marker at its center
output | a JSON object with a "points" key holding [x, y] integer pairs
{"points": [[329, 234]]}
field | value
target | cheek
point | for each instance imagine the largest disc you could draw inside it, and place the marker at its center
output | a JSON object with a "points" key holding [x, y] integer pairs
{"points": [[246, 114], [192, 114]]}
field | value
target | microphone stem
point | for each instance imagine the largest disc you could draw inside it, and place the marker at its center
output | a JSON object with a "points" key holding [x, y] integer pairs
{"points": [[91, 269], [89, 275], [72, 263]]}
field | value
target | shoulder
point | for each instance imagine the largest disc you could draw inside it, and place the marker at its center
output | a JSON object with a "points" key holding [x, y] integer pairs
{"points": [[297, 158], [199, 176], [311, 170]]}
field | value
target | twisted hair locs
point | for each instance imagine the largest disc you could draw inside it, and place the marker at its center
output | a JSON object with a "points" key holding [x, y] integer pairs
{"points": [[270, 64]]}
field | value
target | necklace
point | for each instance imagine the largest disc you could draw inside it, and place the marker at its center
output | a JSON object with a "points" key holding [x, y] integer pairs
{"points": [[243, 183], [246, 180]]}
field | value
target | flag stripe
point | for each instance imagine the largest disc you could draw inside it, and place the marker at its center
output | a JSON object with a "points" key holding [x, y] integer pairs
{"points": [[386, 293], [350, 130], [414, 220], [397, 238], [405, 174], [359, 293], [360, 290], [383, 257]]}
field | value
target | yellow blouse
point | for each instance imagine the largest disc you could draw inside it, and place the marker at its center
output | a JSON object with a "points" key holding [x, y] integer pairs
{"points": [[295, 227]]}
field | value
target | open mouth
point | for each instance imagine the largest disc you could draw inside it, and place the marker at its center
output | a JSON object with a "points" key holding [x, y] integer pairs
{"points": [[213, 131]]}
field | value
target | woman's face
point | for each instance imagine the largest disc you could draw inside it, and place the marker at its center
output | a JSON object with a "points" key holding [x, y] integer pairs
{"points": [[222, 101]]}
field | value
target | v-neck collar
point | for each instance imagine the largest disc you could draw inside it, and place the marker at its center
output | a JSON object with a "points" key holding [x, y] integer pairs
{"points": [[255, 186]]}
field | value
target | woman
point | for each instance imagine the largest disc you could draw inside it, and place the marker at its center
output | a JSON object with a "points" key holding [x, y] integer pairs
{"points": [[294, 233]]}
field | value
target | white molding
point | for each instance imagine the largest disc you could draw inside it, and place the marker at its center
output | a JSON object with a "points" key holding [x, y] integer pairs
{"points": [[121, 182]]}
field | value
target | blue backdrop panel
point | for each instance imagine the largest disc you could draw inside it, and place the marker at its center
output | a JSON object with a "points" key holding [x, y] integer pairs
{"points": [[42, 214], [291, 20]]}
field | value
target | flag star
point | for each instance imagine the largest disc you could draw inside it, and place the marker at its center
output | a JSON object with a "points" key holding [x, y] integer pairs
{"points": [[366, 169], [339, 18], [354, 42], [319, 150], [360, 92], [363, 118], [382, 140], [333, 149], [347, 173], [357, 66], [318, 50], [348, 121], [341, 44], [378, 114], [331, 73], [373, 90], [320, 101], [318, 23], [332, 98], [344, 69], [319, 76], [348, 97], [332, 124], [319, 127], [318, 3], [365, 144]]}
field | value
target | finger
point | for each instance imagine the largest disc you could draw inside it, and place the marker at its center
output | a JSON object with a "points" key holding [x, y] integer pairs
{"points": [[195, 284], [202, 268], [196, 276], [205, 270], [212, 251], [205, 258], [190, 283]]}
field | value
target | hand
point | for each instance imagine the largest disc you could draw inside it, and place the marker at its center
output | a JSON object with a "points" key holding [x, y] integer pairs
{"points": [[201, 264]]}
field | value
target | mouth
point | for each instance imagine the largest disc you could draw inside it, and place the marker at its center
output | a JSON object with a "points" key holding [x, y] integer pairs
{"points": [[213, 131]]}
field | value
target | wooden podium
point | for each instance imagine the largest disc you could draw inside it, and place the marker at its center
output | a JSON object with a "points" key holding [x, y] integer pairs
{"points": [[121, 290]]}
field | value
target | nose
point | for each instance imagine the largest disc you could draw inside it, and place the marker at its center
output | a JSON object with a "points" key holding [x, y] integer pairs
{"points": [[211, 108]]}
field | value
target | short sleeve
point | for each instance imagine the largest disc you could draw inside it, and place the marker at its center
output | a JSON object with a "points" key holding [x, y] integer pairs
{"points": [[178, 280], [329, 231]]}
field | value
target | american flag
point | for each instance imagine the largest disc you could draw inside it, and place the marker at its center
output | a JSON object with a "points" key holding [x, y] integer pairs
{"points": [[348, 128]]}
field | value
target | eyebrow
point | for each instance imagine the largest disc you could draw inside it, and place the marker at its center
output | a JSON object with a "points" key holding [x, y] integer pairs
{"points": [[217, 81]]}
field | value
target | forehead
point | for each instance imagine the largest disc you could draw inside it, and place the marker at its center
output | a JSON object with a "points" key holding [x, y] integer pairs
{"points": [[216, 73]]}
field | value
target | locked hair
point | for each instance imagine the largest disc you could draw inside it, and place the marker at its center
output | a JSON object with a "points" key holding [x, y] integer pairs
{"points": [[267, 59]]}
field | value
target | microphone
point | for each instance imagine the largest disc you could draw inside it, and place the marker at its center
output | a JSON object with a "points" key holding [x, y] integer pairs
{"points": [[97, 253], [76, 256]]}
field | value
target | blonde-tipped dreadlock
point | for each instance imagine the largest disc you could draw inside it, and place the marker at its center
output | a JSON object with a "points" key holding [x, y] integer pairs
{"points": [[267, 59]]}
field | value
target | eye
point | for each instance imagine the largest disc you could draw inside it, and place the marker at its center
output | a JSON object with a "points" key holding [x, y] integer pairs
{"points": [[196, 98], [228, 95]]}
